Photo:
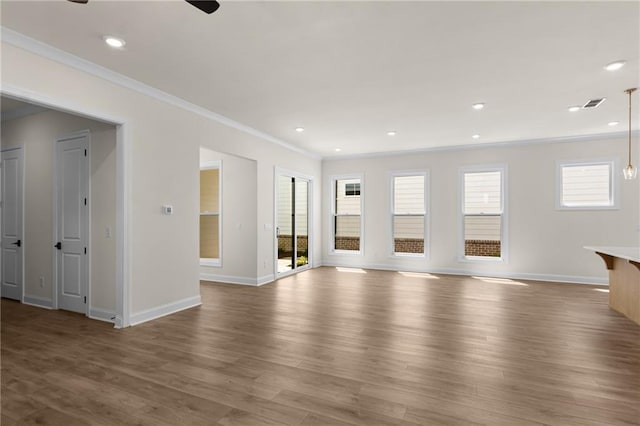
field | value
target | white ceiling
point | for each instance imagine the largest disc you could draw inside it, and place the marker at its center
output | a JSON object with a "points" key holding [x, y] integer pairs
{"points": [[10, 105], [348, 72]]}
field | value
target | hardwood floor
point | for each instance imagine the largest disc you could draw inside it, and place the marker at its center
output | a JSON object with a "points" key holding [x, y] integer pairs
{"points": [[330, 347]]}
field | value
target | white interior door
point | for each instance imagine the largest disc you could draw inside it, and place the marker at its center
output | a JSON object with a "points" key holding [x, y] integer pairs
{"points": [[72, 228], [12, 193]]}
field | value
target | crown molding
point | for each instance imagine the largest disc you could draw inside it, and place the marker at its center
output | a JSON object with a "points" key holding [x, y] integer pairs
{"points": [[488, 145], [39, 48]]}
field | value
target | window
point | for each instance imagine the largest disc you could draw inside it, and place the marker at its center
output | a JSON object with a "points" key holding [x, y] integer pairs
{"points": [[586, 185], [210, 225], [408, 214], [352, 189], [483, 213], [347, 214]]}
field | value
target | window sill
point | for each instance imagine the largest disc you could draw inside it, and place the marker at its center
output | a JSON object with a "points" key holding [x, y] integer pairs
{"points": [[586, 208], [211, 262], [481, 259], [408, 255], [345, 252]]}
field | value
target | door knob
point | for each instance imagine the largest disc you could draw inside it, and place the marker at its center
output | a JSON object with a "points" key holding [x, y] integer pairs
{"points": [[17, 243], [58, 246]]}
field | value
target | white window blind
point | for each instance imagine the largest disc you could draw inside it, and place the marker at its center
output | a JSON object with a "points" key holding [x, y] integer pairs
{"points": [[586, 185], [347, 215], [483, 209], [409, 214]]}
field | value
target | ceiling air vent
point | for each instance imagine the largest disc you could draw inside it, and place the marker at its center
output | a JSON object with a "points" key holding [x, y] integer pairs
{"points": [[594, 103]]}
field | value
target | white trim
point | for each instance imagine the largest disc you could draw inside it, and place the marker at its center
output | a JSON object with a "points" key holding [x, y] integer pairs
{"points": [[332, 202], [426, 213], [102, 315], [614, 183], [123, 248], [39, 302], [266, 279], [570, 279], [228, 279], [214, 263], [214, 165], [164, 310], [504, 225], [47, 51], [62, 105], [123, 187], [486, 145]]}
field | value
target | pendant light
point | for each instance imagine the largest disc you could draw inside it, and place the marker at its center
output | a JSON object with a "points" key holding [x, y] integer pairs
{"points": [[630, 172]]}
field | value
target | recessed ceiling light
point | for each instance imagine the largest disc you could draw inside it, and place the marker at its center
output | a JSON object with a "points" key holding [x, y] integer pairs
{"points": [[114, 42], [475, 136], [478, 105], [615, 66], [613, 123], [574, 108], [338, 149], [391, 133], [299, 129]]}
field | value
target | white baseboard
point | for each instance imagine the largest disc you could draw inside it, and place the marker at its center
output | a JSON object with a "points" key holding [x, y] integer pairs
{"points": [[571, 279], [40, 302], [265, 279], [228, 279], [102, 315], [163, 310]]}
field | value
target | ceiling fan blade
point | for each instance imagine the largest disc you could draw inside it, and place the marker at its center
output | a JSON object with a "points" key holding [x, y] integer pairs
{"points": [[207, 6], [79, 1]]}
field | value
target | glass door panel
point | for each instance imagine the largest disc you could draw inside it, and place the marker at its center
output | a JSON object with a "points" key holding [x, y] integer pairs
{"points": [[285, 224], [301, 220]]}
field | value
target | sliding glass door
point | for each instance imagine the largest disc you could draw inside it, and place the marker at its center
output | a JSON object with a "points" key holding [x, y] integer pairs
{"points": [[292, 227]]}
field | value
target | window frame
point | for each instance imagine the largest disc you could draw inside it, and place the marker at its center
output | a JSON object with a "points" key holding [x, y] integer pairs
{"points": [[332, 228], [426, 217], [614, 183], [206, 261], [504, 228]]}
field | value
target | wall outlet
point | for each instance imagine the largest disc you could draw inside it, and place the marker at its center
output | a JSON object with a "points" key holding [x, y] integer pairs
{"points": [[107, 232], [41, 281]]}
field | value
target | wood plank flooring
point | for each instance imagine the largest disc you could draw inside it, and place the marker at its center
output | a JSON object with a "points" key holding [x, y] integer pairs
{"points": [[334, 347]]}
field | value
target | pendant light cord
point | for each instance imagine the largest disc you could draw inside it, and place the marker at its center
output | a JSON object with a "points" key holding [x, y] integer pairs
{"points": [[630, 91]]}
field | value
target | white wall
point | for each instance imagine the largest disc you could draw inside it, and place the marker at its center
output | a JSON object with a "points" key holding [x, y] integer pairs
{"points": [[37, 134], [162, 142], [239, 218], [542, 241]]}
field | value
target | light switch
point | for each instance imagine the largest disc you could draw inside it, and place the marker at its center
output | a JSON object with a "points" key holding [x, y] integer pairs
{"points": [[167, 209]]}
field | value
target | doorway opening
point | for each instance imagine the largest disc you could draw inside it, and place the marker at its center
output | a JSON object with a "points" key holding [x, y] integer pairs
{"points": [[72, 210]]}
